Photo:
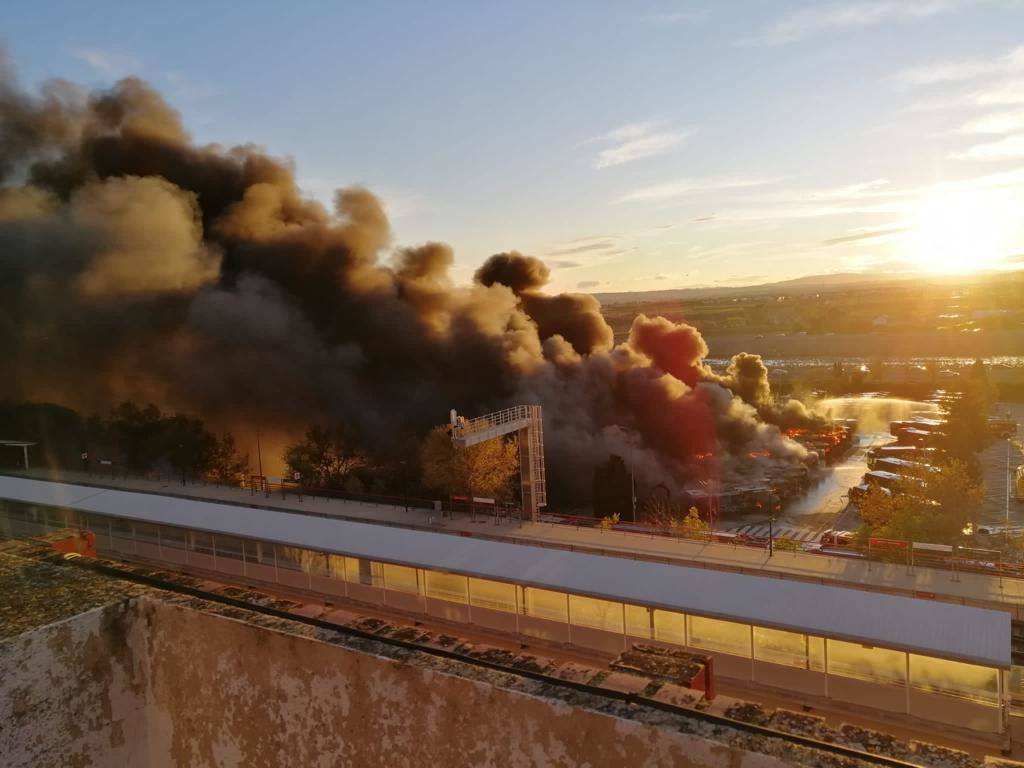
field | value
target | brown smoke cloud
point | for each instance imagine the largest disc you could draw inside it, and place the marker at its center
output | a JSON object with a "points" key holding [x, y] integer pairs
{"points": [[575, 317], [135, 264]]}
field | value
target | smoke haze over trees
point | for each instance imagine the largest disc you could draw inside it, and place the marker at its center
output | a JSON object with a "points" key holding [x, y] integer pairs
{"points": [[129, 439], [137, 265]]}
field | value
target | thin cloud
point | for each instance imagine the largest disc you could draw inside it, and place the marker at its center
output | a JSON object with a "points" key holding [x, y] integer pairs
{"points": [[1008, 92], [583, 284], [872, 198], [863, 189], [964, 69], [690, 186], [1004, 94], [562, 263], [591, 250], [864, 235], [1006, 148], [108, 63], [812, 20], [995, 123], [672, 18], [636, 141], [601, 244]]}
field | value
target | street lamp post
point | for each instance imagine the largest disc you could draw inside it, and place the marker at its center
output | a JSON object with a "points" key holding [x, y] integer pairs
{"points": [[404, 463], [1007, 481], [771, 537]]}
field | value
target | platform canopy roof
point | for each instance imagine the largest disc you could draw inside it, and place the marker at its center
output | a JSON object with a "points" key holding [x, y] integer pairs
{"points": [[935, 628]]}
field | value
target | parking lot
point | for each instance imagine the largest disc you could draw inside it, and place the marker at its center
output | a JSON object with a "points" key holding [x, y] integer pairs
{"points": [[998, 463]]}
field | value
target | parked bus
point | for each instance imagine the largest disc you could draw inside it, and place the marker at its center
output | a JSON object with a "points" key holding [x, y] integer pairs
{"points": [[915, 453]]}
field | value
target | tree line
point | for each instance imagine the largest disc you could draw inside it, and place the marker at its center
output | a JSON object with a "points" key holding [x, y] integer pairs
{"points": [[129, 438], [942, 505], [333, 459], [134, 439]]}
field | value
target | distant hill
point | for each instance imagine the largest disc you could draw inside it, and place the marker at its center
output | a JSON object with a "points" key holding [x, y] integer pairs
{"points": [[811, 283]]}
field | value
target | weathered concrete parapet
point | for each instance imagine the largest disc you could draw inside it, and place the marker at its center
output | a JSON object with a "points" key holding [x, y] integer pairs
{"points": [[73, 693], [115, 674]]}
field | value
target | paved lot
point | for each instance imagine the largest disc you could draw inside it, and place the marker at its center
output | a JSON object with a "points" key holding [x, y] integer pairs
{"points": [[825, 504], [997, 464]]}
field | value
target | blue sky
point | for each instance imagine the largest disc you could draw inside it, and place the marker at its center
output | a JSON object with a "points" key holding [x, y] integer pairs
{"points": [[633, 146]]}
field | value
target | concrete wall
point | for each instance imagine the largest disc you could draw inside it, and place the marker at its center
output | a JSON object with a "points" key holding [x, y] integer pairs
{"points": [[74, 693], [224, 692], [157, 683]]}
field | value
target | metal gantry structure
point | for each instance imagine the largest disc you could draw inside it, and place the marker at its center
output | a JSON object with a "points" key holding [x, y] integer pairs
{"points": [[527, 422]]}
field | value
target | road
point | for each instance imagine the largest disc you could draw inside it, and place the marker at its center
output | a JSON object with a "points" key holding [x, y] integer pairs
{"points": [[825, 505], [997, 467]]}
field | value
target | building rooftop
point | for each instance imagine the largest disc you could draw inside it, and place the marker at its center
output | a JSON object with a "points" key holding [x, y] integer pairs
{"points": [[959, 632], [36, 590], [978, 589]]}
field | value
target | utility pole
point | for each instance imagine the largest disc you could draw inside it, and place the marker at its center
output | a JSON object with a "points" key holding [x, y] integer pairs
{"points": [[404, 464], [259, 453], [1007, 481], [632, 489]]}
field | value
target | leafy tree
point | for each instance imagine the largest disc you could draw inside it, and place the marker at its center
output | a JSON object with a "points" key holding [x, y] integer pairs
{"points": [[837, 382], [325, 458], [612, 488], [188, 445], [940, 513], [137, 439], [57, 431], [857, 380], [485, 469], [692, 525], [967, 423], [138, 436], [226, 465], [663, 512], [660, 510], [876, 365]]}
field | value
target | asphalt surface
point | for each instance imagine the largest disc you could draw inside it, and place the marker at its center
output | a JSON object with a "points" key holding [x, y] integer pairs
{"points": [[999, 462], [826, 505]]}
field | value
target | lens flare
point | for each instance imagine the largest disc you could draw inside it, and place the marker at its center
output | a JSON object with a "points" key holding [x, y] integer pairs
{"points": [[961, 231]]}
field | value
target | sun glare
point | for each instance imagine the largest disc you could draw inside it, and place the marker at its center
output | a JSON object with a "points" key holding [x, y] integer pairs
{"points": [[962, 231]]}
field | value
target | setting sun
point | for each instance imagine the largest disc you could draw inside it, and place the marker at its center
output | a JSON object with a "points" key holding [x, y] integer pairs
{"points": [[960, 231]]}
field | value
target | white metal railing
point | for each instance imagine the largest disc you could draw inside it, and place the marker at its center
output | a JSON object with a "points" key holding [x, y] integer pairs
{"points": [[505, 417]]}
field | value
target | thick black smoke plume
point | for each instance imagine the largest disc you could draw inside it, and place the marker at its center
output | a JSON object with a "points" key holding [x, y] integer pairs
{"points": [[135, 264]]}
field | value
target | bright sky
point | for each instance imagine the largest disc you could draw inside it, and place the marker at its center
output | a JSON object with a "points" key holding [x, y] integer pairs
{"points": [[633, 146]]}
